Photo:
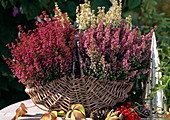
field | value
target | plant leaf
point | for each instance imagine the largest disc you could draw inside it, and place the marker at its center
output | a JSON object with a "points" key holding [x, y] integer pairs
{"points": [[57, 109], [80, 108], [114, 118], [115, 113], [133, 3], [20, 111], [72, 117], [73, 106], [59, 118], [54, 115], [43, 3], [67, 115], [31, 10], [13, 2], [71, 8], [61, 113], [4, 3], [46, 116], [78, 114], [23, 107], [109, 114]]}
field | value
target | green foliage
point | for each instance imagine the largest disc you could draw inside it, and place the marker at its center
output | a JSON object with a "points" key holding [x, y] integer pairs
{"points": [[97, 3], [4, 3], [159, 86], [154, 18], [145, 15], [30, 9], [69, 7], [77, 111], [13, 2], [133, 3]]}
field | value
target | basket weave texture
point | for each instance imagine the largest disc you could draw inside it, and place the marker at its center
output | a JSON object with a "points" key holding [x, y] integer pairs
{"points": [[93, 94]]}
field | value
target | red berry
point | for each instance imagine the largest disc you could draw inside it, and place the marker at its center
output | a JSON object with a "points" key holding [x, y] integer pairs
{"points": [[138, 117], [123, 112], [134, 114], [126, 110], [129, 104], [123, 107], [118, 109], [128, 113]]}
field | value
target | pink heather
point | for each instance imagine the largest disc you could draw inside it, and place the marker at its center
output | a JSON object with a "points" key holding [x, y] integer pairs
{"points": [[43, 54], [125, 52]]}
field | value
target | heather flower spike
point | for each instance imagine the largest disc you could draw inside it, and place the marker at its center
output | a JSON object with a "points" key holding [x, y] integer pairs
{"points": [[86, 18], [15, 11], [45, 53]]}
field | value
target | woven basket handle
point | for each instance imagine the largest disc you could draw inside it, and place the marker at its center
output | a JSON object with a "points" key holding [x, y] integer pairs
{"points": [[76, 48], [74, 60], [80, 60]]}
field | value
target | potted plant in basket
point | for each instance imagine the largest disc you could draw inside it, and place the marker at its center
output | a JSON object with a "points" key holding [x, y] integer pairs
{"points": [[110, 53]]}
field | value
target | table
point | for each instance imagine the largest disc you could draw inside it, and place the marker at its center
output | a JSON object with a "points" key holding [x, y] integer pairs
{"points": [[33, 112]]}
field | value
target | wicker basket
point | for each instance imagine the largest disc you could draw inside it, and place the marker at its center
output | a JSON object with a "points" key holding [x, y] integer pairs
{"points": [[92, 93], [88, 91]]}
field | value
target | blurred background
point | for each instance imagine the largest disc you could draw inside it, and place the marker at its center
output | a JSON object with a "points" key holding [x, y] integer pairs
{"points": [[145, 14]]}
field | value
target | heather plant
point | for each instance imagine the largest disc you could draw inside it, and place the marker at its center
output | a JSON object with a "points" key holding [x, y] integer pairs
{"points": [[115, 54], [45, 53], [86, 17]]}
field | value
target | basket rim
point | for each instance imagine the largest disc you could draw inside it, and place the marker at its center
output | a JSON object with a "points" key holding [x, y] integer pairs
{"points": [[27, 89]]}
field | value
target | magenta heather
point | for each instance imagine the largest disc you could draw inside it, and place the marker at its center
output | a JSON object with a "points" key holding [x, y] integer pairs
{"points": [[45, 53], [115, 53]]}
